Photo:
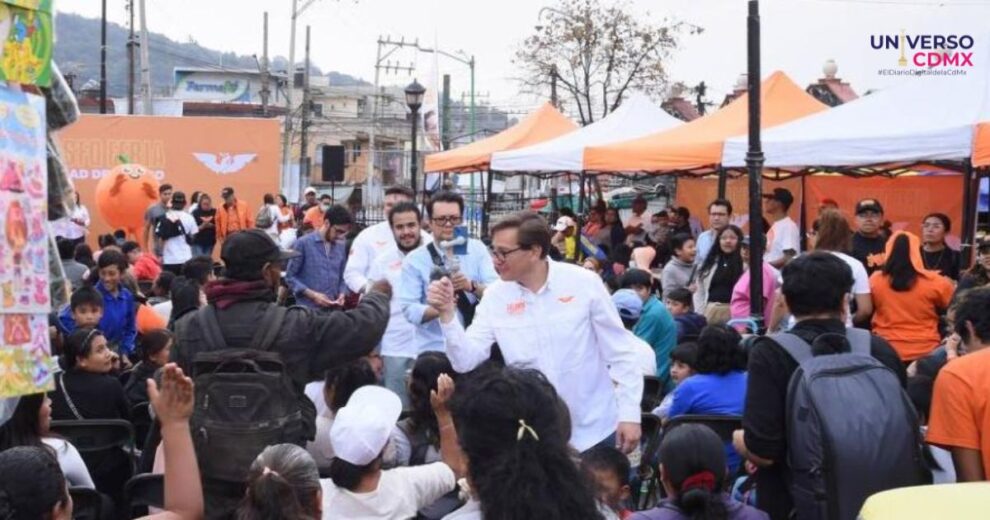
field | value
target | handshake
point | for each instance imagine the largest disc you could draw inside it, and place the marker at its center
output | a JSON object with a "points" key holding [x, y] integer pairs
{"points": [[440, 296]]}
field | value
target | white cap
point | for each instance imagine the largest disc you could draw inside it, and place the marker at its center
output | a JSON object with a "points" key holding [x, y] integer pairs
{"points": [[310, 190], [361, 429], [564, 223]]}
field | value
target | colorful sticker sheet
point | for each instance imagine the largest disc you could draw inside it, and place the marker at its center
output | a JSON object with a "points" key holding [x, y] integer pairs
{"points": [[26, 41], [25, 364]]}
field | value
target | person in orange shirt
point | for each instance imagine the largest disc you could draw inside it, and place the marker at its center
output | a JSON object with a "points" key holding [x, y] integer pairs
{"points": [[960, 415], [314, 216], [232, 216], [908, 299]]}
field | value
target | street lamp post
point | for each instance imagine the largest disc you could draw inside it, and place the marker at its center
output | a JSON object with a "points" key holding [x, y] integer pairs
{"points": [[414, 98], [754, 166]]}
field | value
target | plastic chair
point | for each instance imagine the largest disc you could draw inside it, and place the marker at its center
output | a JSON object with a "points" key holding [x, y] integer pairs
{"points": [[723, 425], [87, 504], [144, 491], [647, 481], [97, 435], [652, 394]]}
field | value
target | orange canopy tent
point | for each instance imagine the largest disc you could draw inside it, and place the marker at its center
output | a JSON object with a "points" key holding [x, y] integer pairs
{"points": [[981, 146], [696, 147], [543, 124]]}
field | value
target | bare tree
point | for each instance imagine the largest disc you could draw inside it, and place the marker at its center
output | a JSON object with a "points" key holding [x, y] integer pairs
{"points": [[597, 50]]}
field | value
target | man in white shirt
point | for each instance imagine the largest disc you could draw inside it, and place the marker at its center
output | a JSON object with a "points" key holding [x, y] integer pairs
{"points": [[639, 224], [784, 237], [373, 241], [176, 250], [398, 347], [557, 318], [719, 215]]}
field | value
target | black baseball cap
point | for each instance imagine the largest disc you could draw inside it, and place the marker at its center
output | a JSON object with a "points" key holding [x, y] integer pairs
{"points": [[782, 195], [983, 245], [869, 205], [246, 250]]}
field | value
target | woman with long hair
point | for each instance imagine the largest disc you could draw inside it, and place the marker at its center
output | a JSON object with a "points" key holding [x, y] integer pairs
{"points": [[287, 220], [514, 430], [283, 484], [718, 274], [908, 299], [338, 385], [29, 426], [611, 233], [693, 473], [833, 234]]}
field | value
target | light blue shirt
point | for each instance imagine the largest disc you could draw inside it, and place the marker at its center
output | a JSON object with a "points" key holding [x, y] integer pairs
{"points": [[416, 268], [704, 244]]}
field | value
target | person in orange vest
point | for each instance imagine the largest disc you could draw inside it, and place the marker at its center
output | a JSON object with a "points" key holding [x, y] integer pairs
{"points": [[232, 216], [314, 215]]}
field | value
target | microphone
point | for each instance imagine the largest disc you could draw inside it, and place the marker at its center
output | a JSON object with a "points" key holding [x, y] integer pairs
{"points": [[457, 241]]}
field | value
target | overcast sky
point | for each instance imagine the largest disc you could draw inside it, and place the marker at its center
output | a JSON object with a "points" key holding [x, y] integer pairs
{"points": [[798, 35]]}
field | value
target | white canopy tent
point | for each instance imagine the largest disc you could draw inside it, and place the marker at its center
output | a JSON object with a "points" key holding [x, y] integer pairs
{"points": [[921, 119], [636, 116]]}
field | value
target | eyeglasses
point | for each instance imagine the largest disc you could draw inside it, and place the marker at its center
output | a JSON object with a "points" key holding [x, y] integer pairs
{"points": [[501, 255], [717, 214], [447, 221]]}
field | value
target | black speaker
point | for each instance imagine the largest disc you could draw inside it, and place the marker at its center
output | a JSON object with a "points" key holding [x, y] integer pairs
{"points": [[333, 163]]}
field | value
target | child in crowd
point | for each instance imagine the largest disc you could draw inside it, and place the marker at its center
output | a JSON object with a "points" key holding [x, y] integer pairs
{"points": [[337, 387], [609, 470], [85, 310], [681, 367], [630, 308], [680, 303], [155, 347]]}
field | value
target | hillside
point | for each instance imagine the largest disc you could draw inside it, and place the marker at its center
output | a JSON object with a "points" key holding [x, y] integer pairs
{"points": [[77, 50]]}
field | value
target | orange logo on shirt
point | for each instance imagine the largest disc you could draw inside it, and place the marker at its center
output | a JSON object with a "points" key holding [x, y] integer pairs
{"points": [[565, 299], [380, 243], [515, 308], [876, 260], [396, 265]]}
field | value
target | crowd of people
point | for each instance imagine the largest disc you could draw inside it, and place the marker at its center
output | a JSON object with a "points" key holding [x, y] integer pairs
{"points": [[407, 370]]}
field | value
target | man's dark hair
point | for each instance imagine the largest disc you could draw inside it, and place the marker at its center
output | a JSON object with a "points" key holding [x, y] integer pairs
{"points": [[816, 283], [129, 246], [66, 248], [719, 351], [532, 230], [119, 234], [345, 379], [721, 202], [164, 187], [683, 296], [677, 241], [268, 198], [684, 212], [636, 277], [445, 196], [164, 281], [85, 295], [111, 257], [607, 458], [198, 268], [946, 221], [568, 212], [974, 309], [338, 215], [404, 207], [898, 265], [326, 196], [398, 189], [661, 214]]}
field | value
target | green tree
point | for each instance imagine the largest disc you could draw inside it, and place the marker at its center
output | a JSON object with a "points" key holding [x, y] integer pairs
{"points": [[598, 50]]}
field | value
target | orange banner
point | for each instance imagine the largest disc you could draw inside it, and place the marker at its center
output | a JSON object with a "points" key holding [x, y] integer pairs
{"points": [[191, 153], [906, 200]]}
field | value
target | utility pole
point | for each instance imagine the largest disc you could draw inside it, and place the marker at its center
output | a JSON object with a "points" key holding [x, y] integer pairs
{"points": [[445, 134], [145, 64], [130, 60], [303, 137], [553, 86], [369, 194], [287, 131], [103, 60], [265, 74]]}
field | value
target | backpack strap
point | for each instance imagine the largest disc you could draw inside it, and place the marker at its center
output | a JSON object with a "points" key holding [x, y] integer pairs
{"points": [[207, 318], [271, 325], [860, 341], [435, 255], [796, 347]]}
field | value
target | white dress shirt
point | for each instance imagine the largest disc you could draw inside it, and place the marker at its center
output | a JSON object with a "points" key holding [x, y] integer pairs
{"points": [[399, 339], [784, 235], [367, 245], [571, 332]]}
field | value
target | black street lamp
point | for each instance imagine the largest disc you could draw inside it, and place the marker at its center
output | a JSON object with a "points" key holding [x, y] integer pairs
{"points": [[754, 166], [414, 98]]}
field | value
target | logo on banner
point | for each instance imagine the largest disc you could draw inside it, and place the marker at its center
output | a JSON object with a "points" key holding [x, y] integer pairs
{"points": [[927, 54], [224, 163]]}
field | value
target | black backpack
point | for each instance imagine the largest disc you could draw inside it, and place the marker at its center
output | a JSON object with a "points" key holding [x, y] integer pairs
{"points": [[245, 399], [166, 228], [851, 429]]}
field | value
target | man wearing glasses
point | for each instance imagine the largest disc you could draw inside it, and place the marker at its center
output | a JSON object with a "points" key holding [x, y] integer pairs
{"points": [[556, 318], [470, 273], [719, 213]]}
